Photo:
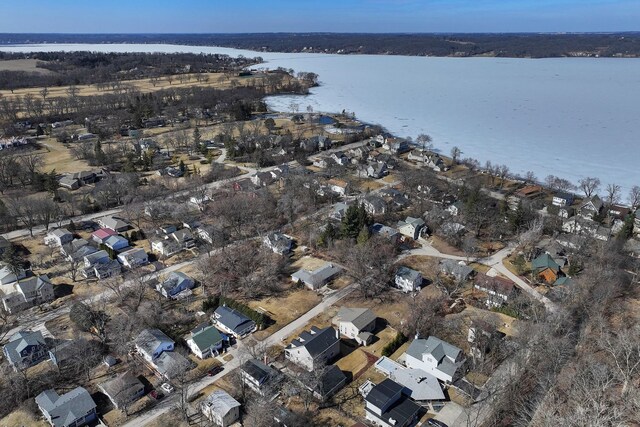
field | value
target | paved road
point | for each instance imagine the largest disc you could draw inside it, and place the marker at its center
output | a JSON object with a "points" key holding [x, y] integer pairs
{"points": [[276, 338]]}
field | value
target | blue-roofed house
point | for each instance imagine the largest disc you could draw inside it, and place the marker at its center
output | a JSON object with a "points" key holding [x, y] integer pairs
{"points": [[233, 322], [116, 243], [73, 409]]}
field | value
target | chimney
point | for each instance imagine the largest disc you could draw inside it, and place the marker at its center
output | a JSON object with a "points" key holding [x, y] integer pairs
{"points": [[417, 337]]}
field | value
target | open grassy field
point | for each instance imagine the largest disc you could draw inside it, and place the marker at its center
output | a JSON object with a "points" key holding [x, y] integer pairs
{"points": [[21, 418], [27, 65], [58, 157]]}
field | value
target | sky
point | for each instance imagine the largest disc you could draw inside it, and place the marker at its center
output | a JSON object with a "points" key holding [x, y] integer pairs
{"points": [[370, 16]]}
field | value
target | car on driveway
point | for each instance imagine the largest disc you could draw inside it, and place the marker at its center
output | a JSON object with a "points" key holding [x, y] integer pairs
{"points": [[436, 423], [155, 395]]}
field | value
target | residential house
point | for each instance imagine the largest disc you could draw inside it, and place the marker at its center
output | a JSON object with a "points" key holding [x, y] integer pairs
{"points": [[184, 238], [376, 170], [314, 348], [418, 384], [72, 247], [545, 268], [205, 341], [100, 236], [455, 209], [394, 198], [356, 324], [9, 275], [579, 224], [98, 257], [396, 145], [340, 159], [151, 343], [321, 162], [412, 227], [26, 292], [122, 390], [116, 243], [530, 192], [262, 179], [58, 237], [233, 322], [25, 349], [456, 269], [73, 181], [113, 223], [73, 409], [407, 279], [498, 289], [258, 376], [436, 357], [165, 247], [338, 186], [387, 232], [562, 199], [374, 205], [317, 278], [79, 254], [590, 207], [170, 365], [209, 234], [618, 212], [133, 258], [220, 408], [330, 381], [176, 282], [278, 243], [339, 211], [387, 404], [453, 229]]}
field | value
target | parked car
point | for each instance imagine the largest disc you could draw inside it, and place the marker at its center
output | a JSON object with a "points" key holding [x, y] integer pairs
{"points": [[215, 370], [436, 423], [155, 395], [166, 387]]}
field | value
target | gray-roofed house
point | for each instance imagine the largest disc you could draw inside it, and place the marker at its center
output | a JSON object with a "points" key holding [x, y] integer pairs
{"points": [[123, 389], [8, 275], [331, 380], [590, 207], [356, 323], [72, 247], [151, 343], [421, 385], [278, 243], [408, 279], [385, 231], [133, 258], [220, 408], [412, 227], [457, 269], [314, 348], [73, 409], [113, 223], [388, 405], [116, 243], [317, 278], [26, 292], [96, 258], [58, 237], [25, 349], [175, 283], [436, 357], [170, 365], [107, 269], [257, 375], [205, 341], [374, 205], [233, 322], [184, 238]]}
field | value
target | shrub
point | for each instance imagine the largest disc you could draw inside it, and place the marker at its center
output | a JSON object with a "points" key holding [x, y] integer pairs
{"points": [[397, 342]]}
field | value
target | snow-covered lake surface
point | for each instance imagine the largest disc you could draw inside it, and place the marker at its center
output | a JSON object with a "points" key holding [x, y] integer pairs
{"points": [[571, 117]]}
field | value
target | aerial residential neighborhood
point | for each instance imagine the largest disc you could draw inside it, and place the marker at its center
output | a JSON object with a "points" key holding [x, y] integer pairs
{"points": [[191, 238]]}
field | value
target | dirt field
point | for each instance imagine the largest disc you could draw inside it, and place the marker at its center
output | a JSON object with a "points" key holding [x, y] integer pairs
{"points": [[22, 418], [57, 156], [28, 65]]}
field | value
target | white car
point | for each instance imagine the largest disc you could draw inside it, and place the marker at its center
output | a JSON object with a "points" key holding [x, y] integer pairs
{"points": [[167, 388]]}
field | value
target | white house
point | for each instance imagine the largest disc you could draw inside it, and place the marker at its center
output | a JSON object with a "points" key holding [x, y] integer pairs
{"points": [[407, 279], [26, 293], [436, 357], [151, 343], [165, 247], [412, 227], [387, 405], [58, 237], [134, 257], [356, 323], [314, 348], [278, 243], [205, 341], [257, 375], [220, 408]]}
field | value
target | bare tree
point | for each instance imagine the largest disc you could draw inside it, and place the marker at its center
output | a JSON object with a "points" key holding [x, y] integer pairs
{"points": [[634, 196], [589, 186], [623, 346], [613, 194]]}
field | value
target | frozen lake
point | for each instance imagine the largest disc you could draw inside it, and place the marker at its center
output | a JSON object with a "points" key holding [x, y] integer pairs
{"points": [[571, 117]]}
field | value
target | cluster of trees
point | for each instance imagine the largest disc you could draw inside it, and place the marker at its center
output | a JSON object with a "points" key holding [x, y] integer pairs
{"points": [[75, 68]]}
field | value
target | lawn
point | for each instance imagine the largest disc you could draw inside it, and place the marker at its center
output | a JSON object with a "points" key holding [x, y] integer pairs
{"points": [[22, 418], [283, 309], [58, 157]]}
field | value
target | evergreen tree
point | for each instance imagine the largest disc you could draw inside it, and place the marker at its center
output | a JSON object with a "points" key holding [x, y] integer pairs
{"points": [[363, 237], [182, 167], [197, 138], [627, 229], [354, 220], [12, 259]]}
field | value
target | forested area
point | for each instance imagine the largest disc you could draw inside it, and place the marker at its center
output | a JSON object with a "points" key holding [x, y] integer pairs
{"points": [[502, 45]]}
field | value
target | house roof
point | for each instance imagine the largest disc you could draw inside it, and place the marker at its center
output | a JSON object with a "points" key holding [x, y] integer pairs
{"points": [[232, 319], [384, 230], [414, 222], [150, 339], [316, 341], [359, 317], [205, 337], [96, 256], [278, 241], [104, 233], [382, 393], [60, 232], [331, 379], [183, 235], [423, 386], [32, 284], [318, 276], [21, 340], [123, 388], [441, 350], [113, 240], [258, 370], [455, 268], [562, 281], [407, 273], [171, 364], [594, 200], [64, 409], [543, 262], [220, 402], [135, 253], [113, 223], [497, 284]]}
